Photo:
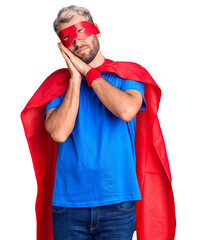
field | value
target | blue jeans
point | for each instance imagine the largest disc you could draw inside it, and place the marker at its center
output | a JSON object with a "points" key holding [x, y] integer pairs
{"points": [[109, 222]]}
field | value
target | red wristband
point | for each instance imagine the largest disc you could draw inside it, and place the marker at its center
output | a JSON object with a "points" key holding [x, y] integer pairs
{"points": [[91, 75]]}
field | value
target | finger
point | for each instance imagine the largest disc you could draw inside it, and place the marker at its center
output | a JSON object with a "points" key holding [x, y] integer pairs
{"points": [[62, 52], [68, 52], [66, 58]]}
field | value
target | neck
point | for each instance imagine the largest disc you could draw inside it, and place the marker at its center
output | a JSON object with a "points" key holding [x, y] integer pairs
{"points": [[98, 60]]}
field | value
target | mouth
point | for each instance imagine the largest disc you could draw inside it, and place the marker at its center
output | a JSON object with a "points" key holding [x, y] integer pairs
{"points": [[81, 50]]}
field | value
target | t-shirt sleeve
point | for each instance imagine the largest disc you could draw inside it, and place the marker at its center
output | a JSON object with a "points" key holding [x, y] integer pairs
{"points": [[54, 103], [131, 84]]}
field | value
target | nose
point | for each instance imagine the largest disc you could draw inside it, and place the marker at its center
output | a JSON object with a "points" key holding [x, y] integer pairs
{"points": [[77, 42]]}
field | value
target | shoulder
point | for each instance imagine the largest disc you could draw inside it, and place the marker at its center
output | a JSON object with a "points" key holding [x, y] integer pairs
{"points": [[128, 64], [129, 70]]}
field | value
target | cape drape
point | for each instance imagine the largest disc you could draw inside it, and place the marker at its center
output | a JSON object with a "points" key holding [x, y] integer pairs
{"points": [[155, 213]]}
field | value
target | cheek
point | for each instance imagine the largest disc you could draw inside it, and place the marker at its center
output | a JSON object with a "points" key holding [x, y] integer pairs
{"points": [[71, 47], [89, 41]]}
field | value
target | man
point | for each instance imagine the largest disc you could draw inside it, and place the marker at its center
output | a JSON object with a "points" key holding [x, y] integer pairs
{"points": [[93, 119], [93, 168]]}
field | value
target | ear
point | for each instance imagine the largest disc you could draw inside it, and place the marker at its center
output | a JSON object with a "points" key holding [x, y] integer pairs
{"points": [[99, 34]]}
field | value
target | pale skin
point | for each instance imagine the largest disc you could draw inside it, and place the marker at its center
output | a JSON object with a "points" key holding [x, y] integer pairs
{"points": [[123, 104]]}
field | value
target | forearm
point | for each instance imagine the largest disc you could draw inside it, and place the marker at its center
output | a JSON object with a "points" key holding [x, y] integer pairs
{"points": [[116, 100], [61, 122]]}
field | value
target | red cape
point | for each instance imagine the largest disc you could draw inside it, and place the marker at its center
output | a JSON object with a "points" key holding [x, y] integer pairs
{"points": [[155, 213]]}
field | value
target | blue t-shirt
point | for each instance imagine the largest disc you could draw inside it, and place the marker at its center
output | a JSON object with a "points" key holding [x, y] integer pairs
{"points": [[96, 165]]}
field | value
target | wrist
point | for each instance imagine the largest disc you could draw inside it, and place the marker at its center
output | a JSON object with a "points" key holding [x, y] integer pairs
{"points": [[76, 81], [86, 70], [92, 75], [76, 77]]}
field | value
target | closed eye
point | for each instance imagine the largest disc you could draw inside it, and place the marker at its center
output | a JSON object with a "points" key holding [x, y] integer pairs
{"points": [[66, 37], [80, 30]]}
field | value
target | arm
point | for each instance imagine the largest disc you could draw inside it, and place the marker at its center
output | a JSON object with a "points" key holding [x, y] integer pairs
{"points": [[60, 121], [123, 104]]}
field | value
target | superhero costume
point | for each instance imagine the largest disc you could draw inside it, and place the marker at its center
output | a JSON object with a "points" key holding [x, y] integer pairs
{"points": [[155, 213], [80, 31]]}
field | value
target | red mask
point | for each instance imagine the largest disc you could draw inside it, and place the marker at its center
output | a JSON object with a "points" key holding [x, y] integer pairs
{"points": [[80, 31]]}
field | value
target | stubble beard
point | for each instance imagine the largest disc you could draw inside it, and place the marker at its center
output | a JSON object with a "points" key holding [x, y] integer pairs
{"points": [[89, 56]]}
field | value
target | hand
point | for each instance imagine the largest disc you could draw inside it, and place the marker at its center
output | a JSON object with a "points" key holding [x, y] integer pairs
{"points": [[74, 73], [79, 65]]}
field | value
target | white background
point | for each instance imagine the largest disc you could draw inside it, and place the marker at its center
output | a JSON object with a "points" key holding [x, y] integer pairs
{"points": [[159, 35]]}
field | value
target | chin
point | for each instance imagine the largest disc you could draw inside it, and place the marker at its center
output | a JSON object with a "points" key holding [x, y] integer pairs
{"points": [[86, 59], [89, 59]]}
